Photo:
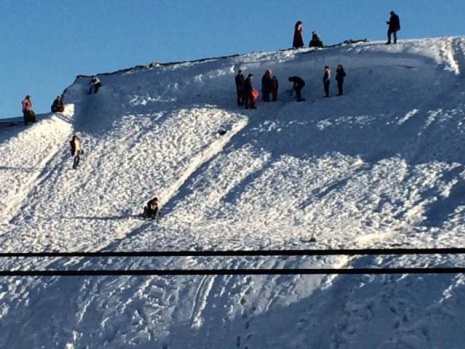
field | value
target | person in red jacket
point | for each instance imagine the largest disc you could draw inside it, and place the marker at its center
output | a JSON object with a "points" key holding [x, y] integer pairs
{"points": [[28, 112]]}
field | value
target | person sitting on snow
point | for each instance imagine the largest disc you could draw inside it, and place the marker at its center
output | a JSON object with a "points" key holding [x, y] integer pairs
{"points": [[151, 210], [315, 41], [57, 106], [95, 85]]}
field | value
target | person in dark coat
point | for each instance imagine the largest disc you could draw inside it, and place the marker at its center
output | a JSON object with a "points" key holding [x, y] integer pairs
{"points": [[393, 27], [249, 100], [151, 210], [95, 85], [326, 80], [315, 41], [240, 88], [57, 106], [297, 85], [266, 85], [274, 88], [298, 41], [76, 151], [340, 75]]}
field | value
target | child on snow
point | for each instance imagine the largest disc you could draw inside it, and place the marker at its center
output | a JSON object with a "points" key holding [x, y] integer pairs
{"points": [[151, 210]]}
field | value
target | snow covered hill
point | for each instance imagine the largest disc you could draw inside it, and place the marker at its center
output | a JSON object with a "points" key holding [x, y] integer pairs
{"points": [[381, 166]]}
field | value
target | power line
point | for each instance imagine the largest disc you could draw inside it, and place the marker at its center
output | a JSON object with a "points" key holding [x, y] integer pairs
{"points": [[238, 253], [219, 272]]}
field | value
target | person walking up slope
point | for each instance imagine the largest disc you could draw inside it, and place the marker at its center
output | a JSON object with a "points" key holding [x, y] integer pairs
{"points": [[76, 151], [326, 80], [340, 75]]}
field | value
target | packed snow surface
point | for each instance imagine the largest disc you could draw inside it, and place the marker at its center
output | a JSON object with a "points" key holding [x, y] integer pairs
{"points": [[380, 167]]}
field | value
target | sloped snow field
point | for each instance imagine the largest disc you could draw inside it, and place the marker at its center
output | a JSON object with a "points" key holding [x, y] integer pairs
{"points": [[380, 167]]}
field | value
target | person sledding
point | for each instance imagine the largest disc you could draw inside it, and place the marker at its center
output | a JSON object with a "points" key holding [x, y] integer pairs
{"points": [[151, 210]]}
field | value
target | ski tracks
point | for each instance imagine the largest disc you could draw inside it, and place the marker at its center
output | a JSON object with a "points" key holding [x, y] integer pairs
{"points": [[32, 159]]}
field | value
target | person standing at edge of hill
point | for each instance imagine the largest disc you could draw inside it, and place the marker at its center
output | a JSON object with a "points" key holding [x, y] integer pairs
{"points": [[28, 112], [266, 85], [76, 151], [239, 79], [298, 41], [95, 85], [326, 80], [297, 85], [394, 27], [340, 75]]}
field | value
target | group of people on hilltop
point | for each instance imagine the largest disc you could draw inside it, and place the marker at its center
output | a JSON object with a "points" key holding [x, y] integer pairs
{"points": [[247, 95], [298, 41], [315, 41], [29, 116]]}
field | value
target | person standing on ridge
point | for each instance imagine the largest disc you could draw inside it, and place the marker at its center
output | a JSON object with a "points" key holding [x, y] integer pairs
{"points": [[76, 151], [340, 75], [393, 27], [326, 80], [266, 85], [297, 86], [298, 41], [239, 79], [28, 112]]}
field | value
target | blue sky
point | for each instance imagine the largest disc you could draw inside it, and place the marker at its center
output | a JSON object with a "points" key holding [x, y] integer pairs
{"points": [[47, 43]]}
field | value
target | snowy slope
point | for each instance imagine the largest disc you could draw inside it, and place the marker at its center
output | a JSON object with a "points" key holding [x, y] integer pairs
{"points": [[379, 167]]}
